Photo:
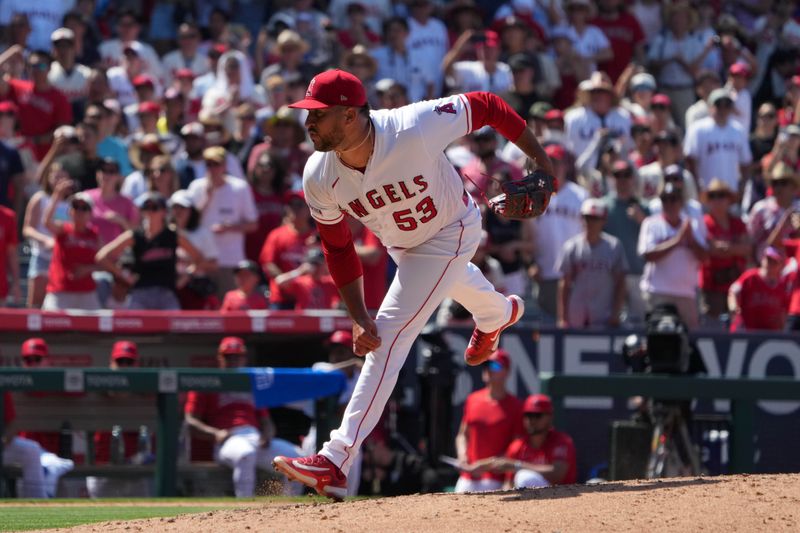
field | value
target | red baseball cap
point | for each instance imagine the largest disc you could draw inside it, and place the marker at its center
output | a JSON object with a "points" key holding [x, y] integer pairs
{"points": [[554, 114], [343, 337], [538, 403], [332, 88], [184, 73], [124, 350], [35, 347], [739, 69], [232, 345], [555, 151], [661, 99], [149, 107], [143, 79], [501, 358], [7, 106]]}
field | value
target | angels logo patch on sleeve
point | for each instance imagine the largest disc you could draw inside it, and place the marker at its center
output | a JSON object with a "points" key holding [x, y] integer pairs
{"points": [[445, 108]]}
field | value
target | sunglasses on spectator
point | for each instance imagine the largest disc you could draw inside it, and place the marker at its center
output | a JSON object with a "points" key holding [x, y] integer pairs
{"points": [[672, 178], [360, 64], [33, 359], [151, 206], [109, 170], [533, 415], [623, 174], [213, 163], [766, 116], [659, 106], [40, 66], [782, 183], [671, 199], [724, 104], [717, 195], [158, 169], [63, 44], [126, 361], [7, 114], [82, 207], [188, 36]]}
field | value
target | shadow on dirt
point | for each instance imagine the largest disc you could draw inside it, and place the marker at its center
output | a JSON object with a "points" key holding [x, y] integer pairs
{"points": [[572, 491]]}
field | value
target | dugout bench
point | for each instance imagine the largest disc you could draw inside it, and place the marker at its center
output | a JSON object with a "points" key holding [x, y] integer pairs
{"points": [[95, 399]]}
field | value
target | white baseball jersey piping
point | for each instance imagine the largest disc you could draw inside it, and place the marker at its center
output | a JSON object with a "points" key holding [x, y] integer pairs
{"points": [[413, 199]]}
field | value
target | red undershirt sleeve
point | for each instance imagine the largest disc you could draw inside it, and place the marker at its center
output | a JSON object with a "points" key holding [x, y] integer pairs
{"points": [[340, 252], [490, 110]]}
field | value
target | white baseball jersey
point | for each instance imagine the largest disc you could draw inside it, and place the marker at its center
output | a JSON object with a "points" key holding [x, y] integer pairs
{"points": [[409, 190], [718, 151], [74, 84], [581, 123]]}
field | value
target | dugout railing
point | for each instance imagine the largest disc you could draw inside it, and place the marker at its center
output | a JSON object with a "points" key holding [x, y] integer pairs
{"points": [[165, 385], [743, 393]]}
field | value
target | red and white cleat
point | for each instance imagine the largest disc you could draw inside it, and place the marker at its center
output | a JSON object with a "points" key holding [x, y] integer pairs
{"points": [[317, 472], [482, 345]]}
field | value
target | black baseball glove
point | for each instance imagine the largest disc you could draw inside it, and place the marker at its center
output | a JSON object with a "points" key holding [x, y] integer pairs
{"points": [[525, 198]]}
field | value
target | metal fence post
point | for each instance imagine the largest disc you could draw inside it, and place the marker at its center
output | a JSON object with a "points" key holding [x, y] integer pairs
{"points": [[743, 449], [167, 444]]}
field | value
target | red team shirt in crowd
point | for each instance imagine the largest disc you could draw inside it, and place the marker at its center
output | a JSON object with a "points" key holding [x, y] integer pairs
{"points": [[557, 446], [270, 214], [8, 237], [236, 300], [70, 251], [286, 248], [763, 306], [39, 112], [310, 293], [717, 273], [491, 427], [224, 410], [624, 33]]}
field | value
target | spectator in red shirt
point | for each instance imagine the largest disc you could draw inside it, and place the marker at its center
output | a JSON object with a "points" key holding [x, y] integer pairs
{"points": [[492, 420], [310, 285], [244, 436], [9, 266], [286, 246], [760, 297], [793, 278], [248, 294], [623, 32], [728, 248], [70, 284], [42, 107], [268, 183]]}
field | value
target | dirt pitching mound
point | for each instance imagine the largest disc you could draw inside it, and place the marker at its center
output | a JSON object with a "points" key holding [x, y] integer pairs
{"points": [[743, 503]]}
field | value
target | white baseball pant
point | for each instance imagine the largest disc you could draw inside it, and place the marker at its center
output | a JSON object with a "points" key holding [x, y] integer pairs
{"points": [[465, 484], [242, 453], [27, 454], [426, 275], [528, 479]]}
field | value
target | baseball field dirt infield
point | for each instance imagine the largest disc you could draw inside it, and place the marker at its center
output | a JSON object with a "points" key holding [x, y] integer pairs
{"points": [[743, 503]]}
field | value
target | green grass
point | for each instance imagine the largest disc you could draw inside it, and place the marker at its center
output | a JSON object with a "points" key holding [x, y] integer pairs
{"points": [[29, 517]]}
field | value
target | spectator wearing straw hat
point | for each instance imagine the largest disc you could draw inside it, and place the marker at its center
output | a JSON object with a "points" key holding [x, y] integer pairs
{"points": [[728, 249], [673, 247], [593, 266], [600, 115], [228, 211], [363, 66], [290, 50], [775, 218]]}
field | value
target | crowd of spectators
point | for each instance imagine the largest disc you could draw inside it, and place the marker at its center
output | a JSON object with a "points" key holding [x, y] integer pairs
{"points": [[148, 158]]}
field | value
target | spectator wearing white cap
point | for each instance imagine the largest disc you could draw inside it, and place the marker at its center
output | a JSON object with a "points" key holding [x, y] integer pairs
{"points": [[717, 146], [673, 246], [65, 74], [593, 267]]}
